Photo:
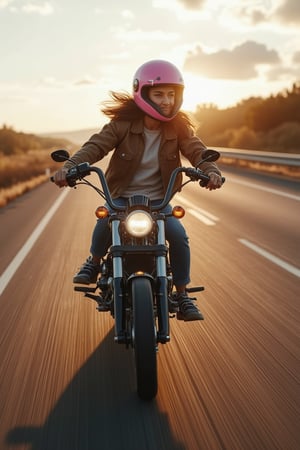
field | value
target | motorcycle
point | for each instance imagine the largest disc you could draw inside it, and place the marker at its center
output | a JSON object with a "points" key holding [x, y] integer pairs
{"points": [[135, 282]]}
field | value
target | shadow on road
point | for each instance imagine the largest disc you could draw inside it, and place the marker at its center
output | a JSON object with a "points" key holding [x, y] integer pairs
{"points": [[99, 409]]}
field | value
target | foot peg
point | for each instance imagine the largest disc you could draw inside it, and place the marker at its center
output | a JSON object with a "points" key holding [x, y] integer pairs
{"points": [[195, 289], [85, 289]]}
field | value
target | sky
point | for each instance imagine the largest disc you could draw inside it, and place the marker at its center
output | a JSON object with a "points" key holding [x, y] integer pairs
{"points": [[59, 59]]}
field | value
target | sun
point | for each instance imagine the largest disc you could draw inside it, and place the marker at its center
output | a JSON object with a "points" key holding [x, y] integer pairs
{"points": [[221, 93], [198, 91]]}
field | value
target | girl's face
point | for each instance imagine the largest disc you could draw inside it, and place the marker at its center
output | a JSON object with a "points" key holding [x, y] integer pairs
{"points": [[163, 97]]}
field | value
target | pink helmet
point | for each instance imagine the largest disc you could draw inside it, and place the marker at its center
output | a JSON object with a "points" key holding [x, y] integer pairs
{"points": [[155, 73]]}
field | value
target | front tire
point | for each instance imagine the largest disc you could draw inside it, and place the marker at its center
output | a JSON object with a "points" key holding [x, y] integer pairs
{"points": [[144, 338]]}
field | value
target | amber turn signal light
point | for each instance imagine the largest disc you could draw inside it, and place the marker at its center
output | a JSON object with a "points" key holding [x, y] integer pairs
{"points": [[102, 212], [178, 212]]}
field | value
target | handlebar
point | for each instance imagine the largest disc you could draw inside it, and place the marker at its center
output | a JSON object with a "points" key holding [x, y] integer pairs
{"points": [[84, 169]]}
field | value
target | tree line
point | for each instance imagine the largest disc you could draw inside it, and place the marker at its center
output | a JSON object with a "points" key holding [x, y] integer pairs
{"points": [[270, 124], [256, 123]]}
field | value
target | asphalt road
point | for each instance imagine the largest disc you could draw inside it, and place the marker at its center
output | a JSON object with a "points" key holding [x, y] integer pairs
{"points": [[230, 382]]}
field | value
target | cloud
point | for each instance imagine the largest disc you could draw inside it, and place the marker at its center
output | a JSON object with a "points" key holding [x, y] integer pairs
{"points": [[184, 10], [282, 73], [289, 12], [256, 16], [127, 14], [85, 80], [192, 4], [51, 82], [5, 3], [296, 58], [139, 35], [239, 63], [43, 8]]}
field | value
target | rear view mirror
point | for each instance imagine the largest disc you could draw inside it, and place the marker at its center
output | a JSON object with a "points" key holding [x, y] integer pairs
{"points": [[60, 155]]}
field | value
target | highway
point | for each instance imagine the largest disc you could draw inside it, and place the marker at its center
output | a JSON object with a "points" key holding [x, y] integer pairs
{"points": [[230, 382]]}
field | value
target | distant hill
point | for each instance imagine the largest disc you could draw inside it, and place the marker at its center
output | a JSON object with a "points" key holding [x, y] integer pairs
{"points": [[78, 137], [18, 143]]}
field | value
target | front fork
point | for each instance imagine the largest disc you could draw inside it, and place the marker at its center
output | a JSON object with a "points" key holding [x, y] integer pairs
{"points": [[161, 286], [120, 337], [163, 334]]}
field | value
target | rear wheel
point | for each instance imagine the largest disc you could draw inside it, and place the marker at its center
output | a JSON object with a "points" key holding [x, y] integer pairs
{"points": [[144, 338]]}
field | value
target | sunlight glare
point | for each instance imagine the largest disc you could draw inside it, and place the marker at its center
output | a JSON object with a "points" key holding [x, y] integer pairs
{"points": [[198, 91]]}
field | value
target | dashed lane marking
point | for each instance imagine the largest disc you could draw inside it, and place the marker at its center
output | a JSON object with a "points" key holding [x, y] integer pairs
{"points": [[200, 214], [274, 259]]}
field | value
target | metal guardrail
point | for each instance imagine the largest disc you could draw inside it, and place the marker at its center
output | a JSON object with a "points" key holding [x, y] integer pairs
{"points": [[283, 159]]}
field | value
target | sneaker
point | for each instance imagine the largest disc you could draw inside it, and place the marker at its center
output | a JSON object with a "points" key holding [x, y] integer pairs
{"points": [[188, 311], [88, 272]]}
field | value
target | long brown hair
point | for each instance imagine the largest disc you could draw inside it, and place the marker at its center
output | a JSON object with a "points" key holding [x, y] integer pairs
{"points": [[122, 106]]}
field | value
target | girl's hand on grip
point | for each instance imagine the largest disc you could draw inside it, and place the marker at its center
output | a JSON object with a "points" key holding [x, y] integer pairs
{"points": [[59, 177], [215, 181]]}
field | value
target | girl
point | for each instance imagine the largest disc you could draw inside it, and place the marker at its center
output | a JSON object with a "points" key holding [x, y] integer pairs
{"points": [[147, 132]]}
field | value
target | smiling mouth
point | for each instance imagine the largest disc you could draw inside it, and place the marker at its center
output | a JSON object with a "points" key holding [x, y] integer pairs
{"points": [[166, 110]]}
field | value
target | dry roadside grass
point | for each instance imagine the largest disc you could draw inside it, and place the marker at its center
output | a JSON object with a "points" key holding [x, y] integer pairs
{"points": [[9, 194], [23, 172]]}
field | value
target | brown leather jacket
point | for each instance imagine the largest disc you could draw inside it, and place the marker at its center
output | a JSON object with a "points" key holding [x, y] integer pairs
{"points": [[127, 141]]}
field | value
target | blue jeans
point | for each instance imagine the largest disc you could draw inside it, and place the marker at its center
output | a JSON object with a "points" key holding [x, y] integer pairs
{"points": [[179, 250]]}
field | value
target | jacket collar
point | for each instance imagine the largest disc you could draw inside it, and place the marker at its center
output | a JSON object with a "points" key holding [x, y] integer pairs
{"points": [[137, 127]]}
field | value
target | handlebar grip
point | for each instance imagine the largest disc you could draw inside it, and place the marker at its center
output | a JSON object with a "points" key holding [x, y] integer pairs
{"points": [[77, 173], [205, 180]]}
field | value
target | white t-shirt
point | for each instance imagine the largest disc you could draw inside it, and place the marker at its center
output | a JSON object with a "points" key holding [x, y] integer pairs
{"points": [[147, 180]]}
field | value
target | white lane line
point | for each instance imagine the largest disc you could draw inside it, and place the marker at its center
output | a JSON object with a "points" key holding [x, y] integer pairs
{"points": [[274, 259], [266, 189], [200, 214], [21, 255], [201, 217]]}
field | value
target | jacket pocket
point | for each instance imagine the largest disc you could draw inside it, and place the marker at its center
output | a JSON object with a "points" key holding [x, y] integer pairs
{"points": [[172, 156], [123, 154]]}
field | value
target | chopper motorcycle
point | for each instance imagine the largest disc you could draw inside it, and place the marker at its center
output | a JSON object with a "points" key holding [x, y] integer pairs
{"points": [[135, 282]]}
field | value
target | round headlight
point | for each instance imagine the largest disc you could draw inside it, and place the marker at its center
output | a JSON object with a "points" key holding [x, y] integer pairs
{"points": [[138, 223]]}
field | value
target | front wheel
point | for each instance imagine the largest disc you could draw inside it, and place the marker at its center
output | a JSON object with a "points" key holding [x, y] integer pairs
{"points": [[144, 338]]}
